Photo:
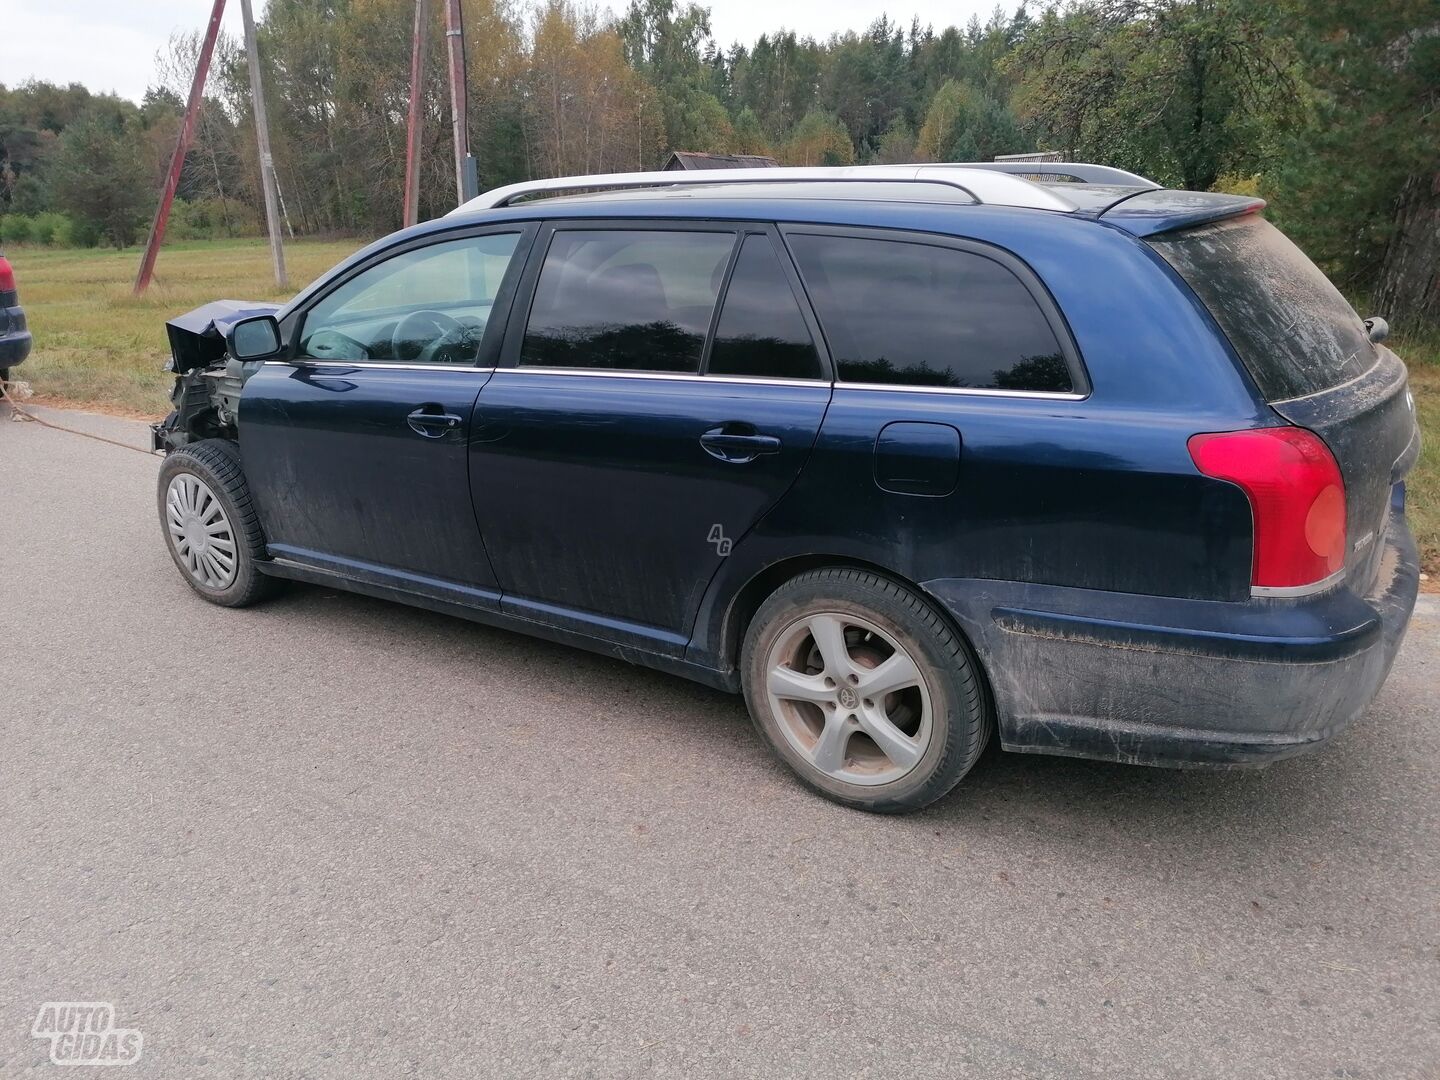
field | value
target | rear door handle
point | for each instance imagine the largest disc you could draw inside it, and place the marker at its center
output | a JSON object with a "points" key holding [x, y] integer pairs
{"points": [[430, 423], [730, 446]]}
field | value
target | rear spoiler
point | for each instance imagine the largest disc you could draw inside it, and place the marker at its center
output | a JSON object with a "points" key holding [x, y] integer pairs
{"points": [[1147, 213]]}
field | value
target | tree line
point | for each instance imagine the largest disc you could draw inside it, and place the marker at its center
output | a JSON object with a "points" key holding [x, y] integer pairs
{"points": [[1329, 111]]}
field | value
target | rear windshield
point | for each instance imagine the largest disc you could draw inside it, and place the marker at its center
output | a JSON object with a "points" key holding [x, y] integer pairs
{"points": [[1296, 334]]}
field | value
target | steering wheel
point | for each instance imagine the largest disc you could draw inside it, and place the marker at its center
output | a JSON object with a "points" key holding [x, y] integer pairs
{"points": [[420, 336]]}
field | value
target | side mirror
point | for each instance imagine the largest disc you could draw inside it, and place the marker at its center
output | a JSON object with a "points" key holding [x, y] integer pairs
{"points": [[1379, 329], [256, 338]]}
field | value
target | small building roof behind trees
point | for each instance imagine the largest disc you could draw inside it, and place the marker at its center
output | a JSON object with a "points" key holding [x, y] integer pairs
{"points": [[681, 160]]}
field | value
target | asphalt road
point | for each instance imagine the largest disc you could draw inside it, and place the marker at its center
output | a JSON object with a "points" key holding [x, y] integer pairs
{"points": [[330, 837]]}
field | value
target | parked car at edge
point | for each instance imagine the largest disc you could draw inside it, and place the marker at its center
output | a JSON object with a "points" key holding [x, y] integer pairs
{"points": [[14, 334], [909, 456]]}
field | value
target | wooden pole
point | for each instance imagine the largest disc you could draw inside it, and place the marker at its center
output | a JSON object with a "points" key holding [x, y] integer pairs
{"points": [[262, 137], [182, 147], [459, 95], [415, 125]]}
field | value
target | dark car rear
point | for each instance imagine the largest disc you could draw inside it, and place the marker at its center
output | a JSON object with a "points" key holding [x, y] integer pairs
{"points": [[14, 334], [1311, 357]]}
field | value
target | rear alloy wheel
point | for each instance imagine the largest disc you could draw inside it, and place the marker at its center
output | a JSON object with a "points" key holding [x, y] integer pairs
{"points": [[210, 525], [864, 690]]}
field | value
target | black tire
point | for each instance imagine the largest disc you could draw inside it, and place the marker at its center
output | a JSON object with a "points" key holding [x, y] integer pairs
{"points": [[216, 463], [960, 712]]}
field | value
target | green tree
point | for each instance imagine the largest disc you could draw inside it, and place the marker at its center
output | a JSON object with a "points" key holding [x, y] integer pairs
{"points": [[666, 44], [750, 136], [1181, 89], [966, 124], [699, 122], [819, 139], [1357, 180], [98, 176], [897, 145]]}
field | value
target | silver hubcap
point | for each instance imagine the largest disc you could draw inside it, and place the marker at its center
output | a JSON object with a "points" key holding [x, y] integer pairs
{"points": [[200, 532], [849, 698]]}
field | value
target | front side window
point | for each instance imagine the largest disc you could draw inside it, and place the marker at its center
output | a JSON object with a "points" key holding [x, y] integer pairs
{"points": [[425, 305], [909, 313], [626, 299], [761, 331]]}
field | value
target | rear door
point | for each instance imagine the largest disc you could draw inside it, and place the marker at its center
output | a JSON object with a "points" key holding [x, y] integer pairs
{"points": [[639, 426], [1310, 355], [356, 447]]}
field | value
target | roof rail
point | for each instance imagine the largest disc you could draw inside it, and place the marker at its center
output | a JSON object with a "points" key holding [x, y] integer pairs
{"points": [[1079, 172], [982, 182]]}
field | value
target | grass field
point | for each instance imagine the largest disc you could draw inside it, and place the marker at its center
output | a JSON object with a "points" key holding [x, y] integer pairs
{"points": [[97, 346]]}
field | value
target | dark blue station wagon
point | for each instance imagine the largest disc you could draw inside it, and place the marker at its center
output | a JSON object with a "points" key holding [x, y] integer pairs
{"points": [[907, 455]]}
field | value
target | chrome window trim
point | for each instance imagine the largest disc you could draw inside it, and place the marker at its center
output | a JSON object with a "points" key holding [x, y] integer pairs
{"points": [[1287, 592], [678, 376], [310, 361], [669, 376], [968, 391]]}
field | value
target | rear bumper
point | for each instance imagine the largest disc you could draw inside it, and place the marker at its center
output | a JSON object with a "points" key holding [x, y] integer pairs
{"points": [[1158, 681], [14, 337], [14, 348]]}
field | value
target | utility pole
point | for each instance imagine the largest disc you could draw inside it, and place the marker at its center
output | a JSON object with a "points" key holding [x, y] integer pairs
{"points": [[262, 136], [182, 147], [416, 120], [459, 102]]}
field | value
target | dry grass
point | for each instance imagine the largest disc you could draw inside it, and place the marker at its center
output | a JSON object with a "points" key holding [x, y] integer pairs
{"points": [[1423, 484], [99, 347]]}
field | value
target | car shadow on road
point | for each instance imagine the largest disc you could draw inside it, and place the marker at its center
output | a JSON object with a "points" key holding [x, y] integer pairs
{"points": [[1187, 810]]}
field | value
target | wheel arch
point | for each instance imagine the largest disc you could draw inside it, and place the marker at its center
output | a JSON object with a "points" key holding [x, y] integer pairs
{"points": [[747, 600]]}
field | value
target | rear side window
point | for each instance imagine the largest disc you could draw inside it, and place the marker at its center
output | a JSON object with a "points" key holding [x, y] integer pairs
{"points": [[1292, 329], [626, 299], [761, 331], [911, 313]]}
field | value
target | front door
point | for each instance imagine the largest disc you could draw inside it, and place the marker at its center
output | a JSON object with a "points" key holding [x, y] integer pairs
{"points": [[630, 437], [356, 448]]}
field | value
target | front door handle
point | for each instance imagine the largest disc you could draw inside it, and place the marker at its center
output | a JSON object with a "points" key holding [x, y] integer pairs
{"points": [[728, 445], [432, 422]]}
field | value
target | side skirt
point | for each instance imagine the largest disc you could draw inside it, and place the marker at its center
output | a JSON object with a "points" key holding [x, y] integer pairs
{"points": [[728, 681]]}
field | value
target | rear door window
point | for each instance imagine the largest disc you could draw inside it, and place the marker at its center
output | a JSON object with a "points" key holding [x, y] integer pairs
{"points": [[902, 312], [1293, 330], [762, 333], [626, 299]]}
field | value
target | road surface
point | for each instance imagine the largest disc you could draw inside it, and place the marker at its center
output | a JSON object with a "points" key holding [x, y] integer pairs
{"points": [[331, 837]]}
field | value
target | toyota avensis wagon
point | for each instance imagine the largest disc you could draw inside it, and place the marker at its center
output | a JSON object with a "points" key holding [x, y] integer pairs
{"points": [[909, 455]]}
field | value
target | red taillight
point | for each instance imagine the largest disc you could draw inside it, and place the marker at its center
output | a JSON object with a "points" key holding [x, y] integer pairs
{"points": [[7, 275], [1297, 499]]}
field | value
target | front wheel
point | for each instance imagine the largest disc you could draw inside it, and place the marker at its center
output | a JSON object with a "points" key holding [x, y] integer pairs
{"points": [[210, 525], [862, 688]]}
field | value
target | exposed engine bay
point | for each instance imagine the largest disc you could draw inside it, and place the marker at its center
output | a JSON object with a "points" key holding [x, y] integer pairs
{"points": [[208, 380]]}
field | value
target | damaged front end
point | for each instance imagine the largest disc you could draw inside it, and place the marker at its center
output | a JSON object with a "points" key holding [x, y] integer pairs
{"points": [[208, 380]]}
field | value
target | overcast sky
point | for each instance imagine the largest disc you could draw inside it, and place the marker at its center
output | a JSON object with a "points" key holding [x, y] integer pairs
{"points": [[111, 44]]}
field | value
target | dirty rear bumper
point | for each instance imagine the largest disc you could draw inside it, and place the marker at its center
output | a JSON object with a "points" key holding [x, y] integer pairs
{"points": [[1158, 681], [14, 347]]}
